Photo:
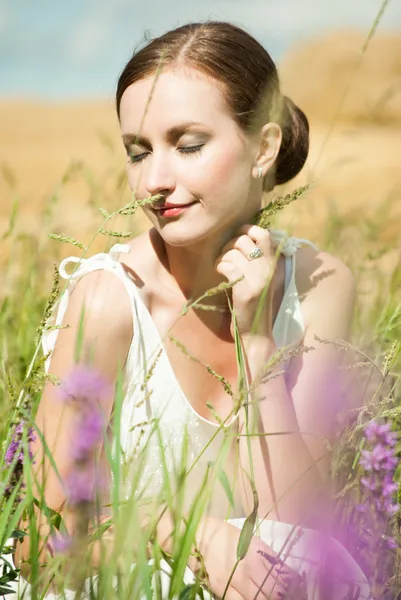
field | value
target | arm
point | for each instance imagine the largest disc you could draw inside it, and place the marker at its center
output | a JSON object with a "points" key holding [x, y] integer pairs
{"points": [[107, 324], [291, 470]]}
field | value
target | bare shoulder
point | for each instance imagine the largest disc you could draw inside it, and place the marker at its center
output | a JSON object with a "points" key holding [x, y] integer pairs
{"points": [[140, 254], [326, 286], [104, 295], [138, 241], [316, 266], [142, 261], [101, 307]]}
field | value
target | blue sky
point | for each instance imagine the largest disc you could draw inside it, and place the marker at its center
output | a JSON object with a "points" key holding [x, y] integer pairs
{"points": [[76, 48]]}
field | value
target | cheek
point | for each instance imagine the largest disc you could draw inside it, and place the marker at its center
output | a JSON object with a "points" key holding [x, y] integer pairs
{"points": [[134, 177], [130, 175], [223, 168]]}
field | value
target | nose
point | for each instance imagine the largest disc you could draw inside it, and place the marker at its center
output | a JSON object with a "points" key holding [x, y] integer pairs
{"points": [[158, 175]]}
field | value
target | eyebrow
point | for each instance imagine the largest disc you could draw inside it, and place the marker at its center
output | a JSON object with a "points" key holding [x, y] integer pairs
{"points": [[172, 134]]}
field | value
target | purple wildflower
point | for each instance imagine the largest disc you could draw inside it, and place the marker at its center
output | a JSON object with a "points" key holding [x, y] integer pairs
{"points": [[79, 487], [15, 454], [89, 432], [60, 543], [16, 444], [380, 433], [379, 458], [84, 383], [364, 528], [85, 388], [379, 464], [390, 542], [82, 484], [12, 450], [389, 487]]}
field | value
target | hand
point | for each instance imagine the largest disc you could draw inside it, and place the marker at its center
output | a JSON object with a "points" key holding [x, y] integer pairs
{"points": [[260, 568], [233, 262]]}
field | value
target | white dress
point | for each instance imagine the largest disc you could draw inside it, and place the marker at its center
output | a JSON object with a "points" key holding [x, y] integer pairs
{"points": [[162, 397]]}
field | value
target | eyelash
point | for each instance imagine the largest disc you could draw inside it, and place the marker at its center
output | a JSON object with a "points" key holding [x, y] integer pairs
{"points": [[189, 150]]}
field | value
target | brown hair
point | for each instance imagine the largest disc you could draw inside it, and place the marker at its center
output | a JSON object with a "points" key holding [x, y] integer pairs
{"points": [[246, 74]]}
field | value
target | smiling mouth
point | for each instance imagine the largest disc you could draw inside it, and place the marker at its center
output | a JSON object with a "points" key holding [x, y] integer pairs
{"points": [[177, 206], [171, 211]]}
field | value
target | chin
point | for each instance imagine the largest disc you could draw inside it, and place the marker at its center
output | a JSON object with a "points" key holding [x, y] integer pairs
{"points": [[182, 235], [181, 241]]}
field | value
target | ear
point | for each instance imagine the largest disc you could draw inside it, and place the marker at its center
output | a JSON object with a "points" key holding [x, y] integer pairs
{"points": [[269, 147]]}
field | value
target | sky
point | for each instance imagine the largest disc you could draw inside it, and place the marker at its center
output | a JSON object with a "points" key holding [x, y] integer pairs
{"points": [[71, 49]]}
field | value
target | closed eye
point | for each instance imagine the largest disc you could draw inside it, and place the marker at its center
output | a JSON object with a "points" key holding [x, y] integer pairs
{"points": [[186, 150]]}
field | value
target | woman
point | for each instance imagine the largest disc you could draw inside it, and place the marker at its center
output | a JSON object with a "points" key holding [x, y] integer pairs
{"points": [[206, 132]]}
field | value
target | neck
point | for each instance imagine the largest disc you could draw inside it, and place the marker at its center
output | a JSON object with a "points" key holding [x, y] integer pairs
{"points": [[191, 270]]}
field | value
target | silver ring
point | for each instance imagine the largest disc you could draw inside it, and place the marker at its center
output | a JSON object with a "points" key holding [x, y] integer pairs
{"points": [[255, 253]]}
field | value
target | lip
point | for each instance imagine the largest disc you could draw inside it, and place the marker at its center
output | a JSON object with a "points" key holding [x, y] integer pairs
{"points": [[167, 205], [171, 210]]}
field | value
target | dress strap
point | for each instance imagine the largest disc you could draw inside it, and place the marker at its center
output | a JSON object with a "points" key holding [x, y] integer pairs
{"points": [[103, 260], [289, 244], [288, 271]]}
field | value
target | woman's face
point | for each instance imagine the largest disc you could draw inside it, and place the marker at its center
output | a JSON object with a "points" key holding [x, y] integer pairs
{"points": [[208, 163]]}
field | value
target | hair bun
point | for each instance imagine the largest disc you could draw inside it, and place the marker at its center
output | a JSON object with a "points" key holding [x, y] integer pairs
{"points": [[295, 142]]}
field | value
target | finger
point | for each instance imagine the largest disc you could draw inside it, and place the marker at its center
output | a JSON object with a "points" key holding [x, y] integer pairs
{"points": [[241, 253], [228, 269], [256, 234], [258, 238], [234, 257], [242, 242]]}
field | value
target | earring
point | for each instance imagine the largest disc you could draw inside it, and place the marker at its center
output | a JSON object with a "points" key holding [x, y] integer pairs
{"points": [[260, 172]]}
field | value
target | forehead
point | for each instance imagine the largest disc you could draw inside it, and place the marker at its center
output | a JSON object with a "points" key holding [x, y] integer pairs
{"points": [[172, 97]]}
